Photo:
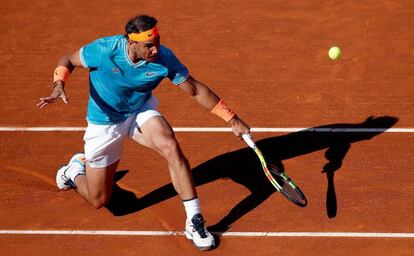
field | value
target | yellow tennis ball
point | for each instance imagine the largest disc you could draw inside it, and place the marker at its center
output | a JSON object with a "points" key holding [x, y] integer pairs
{"points": [[334, 53]]}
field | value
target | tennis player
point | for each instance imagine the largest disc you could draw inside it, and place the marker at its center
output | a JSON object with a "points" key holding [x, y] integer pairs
{"points": [[124, 70]]}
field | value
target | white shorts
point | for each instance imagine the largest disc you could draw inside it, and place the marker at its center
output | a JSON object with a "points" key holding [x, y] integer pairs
{"points": [[104, 143]]}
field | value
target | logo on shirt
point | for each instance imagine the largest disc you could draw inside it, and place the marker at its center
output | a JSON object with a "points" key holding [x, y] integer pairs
{"points": [[150, 73], [115, 70]]}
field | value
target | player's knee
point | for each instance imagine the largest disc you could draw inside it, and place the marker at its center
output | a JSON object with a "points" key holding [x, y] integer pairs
{"points": [[169, 148], [99, 201]]}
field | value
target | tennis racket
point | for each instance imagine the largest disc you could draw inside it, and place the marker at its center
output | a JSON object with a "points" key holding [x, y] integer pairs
{"points": [[279, 179]]}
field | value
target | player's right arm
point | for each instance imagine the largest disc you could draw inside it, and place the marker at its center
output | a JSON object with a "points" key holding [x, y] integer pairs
{"points": [[64, 67]]}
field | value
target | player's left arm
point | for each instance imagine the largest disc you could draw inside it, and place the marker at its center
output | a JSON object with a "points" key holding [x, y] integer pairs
{"points": [[210, 101], [62, 72]]}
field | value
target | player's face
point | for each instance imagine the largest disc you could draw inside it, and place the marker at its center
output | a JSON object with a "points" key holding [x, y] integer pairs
{"points": [[148, 50]]}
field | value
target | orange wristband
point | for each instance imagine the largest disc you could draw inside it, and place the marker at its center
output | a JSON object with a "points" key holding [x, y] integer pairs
{"points": [[61, 73], [223, 111]]}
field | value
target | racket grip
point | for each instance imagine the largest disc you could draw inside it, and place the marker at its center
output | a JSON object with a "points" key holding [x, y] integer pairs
{"points": [[249, 140]]}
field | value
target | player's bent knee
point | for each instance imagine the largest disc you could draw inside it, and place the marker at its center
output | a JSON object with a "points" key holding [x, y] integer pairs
{"points": [[169, 148], [99, 200]]}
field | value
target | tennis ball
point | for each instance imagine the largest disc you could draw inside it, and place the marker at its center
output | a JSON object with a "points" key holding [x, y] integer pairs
{"points": [[334, 53]]}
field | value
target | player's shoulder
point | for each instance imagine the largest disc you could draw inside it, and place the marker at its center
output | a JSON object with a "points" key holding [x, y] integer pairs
{"points": [[111, 40], [111, 43], [166, 53], [165, 50]]}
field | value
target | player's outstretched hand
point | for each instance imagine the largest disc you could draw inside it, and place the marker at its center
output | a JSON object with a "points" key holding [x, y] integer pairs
{"points": [[239, 127], [58, 92]]}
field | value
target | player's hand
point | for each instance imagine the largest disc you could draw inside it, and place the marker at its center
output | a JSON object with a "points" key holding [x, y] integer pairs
{"points": [[239, 127], [58, 92]]}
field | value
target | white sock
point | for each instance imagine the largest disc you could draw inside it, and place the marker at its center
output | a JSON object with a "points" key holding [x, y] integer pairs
{"points": [[192, 207]]}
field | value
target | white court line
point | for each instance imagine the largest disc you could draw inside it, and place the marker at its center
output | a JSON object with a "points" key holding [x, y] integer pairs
{"points": [[218, 129], [180, 233]]}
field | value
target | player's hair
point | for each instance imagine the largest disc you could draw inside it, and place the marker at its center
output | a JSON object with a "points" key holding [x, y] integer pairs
{"points": [[140, 23]]}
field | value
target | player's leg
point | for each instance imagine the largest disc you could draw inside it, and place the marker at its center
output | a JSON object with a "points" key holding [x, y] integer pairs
{"points": [[96, 186], [157, 134], [153, 131], [103, 148], [93, 184]]}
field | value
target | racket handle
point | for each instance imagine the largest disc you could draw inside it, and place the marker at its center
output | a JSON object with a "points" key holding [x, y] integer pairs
{"points": [[249, 140]]}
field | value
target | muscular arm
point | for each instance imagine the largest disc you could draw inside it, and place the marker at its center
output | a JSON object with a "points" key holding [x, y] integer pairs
{"points": [[200, 92], [70, 61], [208, 99]]}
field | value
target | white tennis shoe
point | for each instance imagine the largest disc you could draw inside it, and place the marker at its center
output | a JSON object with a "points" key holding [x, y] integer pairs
{"points": [[195, 231], [66, 174]]}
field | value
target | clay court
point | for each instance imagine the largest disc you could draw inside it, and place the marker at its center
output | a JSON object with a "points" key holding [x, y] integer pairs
{"points": [[343, 130]]}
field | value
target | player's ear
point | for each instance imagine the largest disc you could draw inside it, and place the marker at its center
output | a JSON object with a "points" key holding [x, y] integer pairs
{"points": [[133, 43], [130, 42]]}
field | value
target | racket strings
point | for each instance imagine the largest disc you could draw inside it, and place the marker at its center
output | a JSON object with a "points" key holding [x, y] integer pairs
{"points": [[289, 188]]}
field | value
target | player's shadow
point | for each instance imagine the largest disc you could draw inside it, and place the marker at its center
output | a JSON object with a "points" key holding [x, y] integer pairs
{"points": [[243, 167]]}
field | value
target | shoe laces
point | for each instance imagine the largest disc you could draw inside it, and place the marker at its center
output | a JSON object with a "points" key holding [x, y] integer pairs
{"points": [[198, 225], [66, 180]]}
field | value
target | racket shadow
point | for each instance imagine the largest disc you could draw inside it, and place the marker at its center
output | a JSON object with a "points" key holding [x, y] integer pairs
{"points": [[337, 145], [242, 167]]}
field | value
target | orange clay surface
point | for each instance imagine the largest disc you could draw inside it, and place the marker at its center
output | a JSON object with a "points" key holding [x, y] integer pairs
{"points": [[268, 61]]}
